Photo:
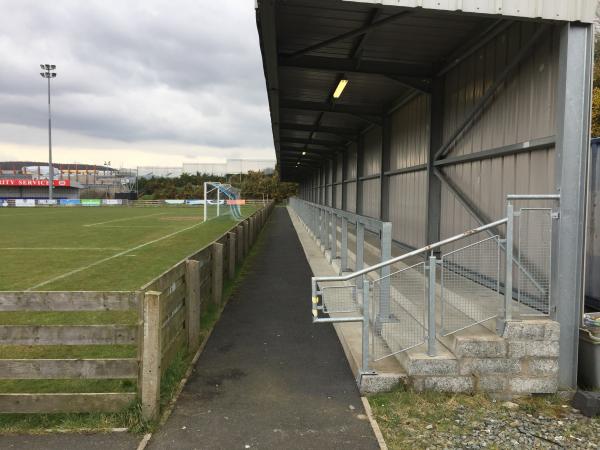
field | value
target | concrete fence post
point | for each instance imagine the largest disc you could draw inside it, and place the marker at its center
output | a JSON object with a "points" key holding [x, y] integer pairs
{"points": [[232, 255], [240, 243], [192, 303], [151, 356], [217, 273]]}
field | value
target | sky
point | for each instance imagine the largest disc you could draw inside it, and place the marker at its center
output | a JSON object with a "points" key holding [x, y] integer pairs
{"points": [[139, 82]]}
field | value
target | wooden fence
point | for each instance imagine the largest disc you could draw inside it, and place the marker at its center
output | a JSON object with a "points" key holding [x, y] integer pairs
{"points": [[72, 335], [168, 308]]}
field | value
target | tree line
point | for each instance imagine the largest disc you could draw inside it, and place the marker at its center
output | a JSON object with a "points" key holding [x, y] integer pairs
{"points": [[191, 186]]}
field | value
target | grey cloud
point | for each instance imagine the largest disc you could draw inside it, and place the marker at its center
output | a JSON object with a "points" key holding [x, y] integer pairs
{"points": [[184, 71]]}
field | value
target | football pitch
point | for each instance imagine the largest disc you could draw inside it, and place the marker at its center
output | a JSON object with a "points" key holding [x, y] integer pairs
{"points": [[100, 248]]}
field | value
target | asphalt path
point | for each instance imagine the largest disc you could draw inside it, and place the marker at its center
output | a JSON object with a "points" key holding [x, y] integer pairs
{"points": [[268, 378]]}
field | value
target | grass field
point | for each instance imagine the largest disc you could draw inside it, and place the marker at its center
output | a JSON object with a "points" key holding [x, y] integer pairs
{"points": [[109, 248], [88, 249]]}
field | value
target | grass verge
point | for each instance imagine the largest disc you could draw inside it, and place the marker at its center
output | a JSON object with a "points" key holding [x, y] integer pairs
{"points": [[431, 419]]}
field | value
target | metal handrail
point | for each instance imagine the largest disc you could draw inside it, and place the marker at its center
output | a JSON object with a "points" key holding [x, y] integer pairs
{"points": [[370, 223], [397, 259]]}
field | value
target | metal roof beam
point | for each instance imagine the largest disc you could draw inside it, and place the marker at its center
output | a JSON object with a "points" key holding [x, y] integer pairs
{"points": [[373, 120], [348, 35], [367, 66], [313, 147], [362, 39], [321, 151], [368, 110], [294, 163], [421, 85], [473, 44], [308, 154], [325, 143], [339, 131]]}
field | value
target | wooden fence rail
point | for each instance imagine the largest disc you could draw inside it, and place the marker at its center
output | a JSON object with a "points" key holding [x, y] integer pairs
{"points": [[169, 309]]}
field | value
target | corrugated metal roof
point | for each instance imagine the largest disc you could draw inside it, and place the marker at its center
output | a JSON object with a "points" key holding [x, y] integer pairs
{"points": [[386, 52], [568, 10]]}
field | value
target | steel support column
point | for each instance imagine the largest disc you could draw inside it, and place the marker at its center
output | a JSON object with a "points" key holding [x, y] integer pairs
{"points": [[572, 152], [384, 181], [436, 140], [359, 173], [344, 185], [334, 181]]}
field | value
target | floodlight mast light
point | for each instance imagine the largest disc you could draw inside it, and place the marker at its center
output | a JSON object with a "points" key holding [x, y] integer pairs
{"points": [[49, 75]]}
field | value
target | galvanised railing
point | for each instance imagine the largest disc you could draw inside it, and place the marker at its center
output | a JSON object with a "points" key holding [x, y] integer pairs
{"points": [[398, 309]]}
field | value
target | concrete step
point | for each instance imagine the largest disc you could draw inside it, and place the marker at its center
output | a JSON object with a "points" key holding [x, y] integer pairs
{"points": [[475, 342]]}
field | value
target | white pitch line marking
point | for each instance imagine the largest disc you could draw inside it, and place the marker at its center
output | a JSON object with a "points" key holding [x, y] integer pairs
{"points": [[122, 219], [108, 258], [130, 226]]}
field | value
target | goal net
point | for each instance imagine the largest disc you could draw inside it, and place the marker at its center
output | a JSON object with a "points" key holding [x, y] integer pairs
{"points": [[221, 199]]}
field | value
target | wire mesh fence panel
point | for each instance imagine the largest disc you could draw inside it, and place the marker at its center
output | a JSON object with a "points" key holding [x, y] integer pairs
{"points": [[339, 299], [470, 283], [398, 312], [534, 253]]}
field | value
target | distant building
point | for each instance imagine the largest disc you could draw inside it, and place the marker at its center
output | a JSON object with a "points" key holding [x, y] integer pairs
{"points": [[28, 188], [229, 167], [104, 180]]}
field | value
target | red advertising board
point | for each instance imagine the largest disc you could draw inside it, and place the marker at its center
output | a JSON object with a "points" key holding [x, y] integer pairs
{"points": [[238, 201], [33, 183]]}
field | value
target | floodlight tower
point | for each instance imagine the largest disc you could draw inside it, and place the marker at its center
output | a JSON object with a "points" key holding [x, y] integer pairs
{"points": [[49, 74]]}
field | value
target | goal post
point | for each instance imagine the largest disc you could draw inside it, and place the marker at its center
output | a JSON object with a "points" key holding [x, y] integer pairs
{"points": [[220, 196]]}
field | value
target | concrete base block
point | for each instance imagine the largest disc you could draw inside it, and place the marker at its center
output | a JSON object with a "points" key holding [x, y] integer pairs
{"points": [[443, 384], [385, 382], [520, 385], [492, 383], [483, 346], [423, 365], [542, 367], [532, 330], [540, 349], [476, 366]]}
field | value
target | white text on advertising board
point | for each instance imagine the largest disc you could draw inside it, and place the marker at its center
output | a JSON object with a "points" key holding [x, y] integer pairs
{"points": [[33, 183]]}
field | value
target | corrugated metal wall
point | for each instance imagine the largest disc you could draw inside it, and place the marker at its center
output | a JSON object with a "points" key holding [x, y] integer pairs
{"points": [[328, 182], [371, 164], [339, 181], [523, 110], [350, 187], [409, 146]]}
